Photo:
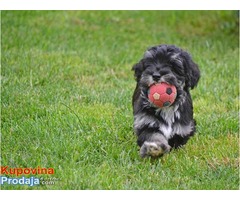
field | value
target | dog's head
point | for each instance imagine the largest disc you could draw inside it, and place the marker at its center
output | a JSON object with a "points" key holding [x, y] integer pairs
{"points": [[167, 63]]}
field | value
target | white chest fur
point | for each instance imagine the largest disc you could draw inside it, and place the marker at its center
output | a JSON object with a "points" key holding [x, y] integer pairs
{"points": [[172, 127], [169, 114], [176, 128], [169, 127]]}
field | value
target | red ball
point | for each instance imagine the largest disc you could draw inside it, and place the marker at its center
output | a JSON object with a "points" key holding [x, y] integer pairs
{"points": [[162, 94]]}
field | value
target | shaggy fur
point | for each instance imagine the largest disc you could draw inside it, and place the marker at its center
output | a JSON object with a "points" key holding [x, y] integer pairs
{"points": [[160, 129]]}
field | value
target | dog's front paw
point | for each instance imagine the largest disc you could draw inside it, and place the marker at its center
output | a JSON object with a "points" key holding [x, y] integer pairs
{"points": [[154, 149]]}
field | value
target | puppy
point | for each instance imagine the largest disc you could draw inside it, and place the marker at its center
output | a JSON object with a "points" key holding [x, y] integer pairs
{"points": [[159, 130]]}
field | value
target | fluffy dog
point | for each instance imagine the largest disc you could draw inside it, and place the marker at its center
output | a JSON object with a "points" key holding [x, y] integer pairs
{"points": [[159, 130]]}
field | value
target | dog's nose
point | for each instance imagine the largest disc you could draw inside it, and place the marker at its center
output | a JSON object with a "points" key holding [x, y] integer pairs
{"points": [[156, 76]]}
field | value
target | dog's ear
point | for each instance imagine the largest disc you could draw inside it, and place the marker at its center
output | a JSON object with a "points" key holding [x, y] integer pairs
{"points": [[138, 69], [191, 70]]}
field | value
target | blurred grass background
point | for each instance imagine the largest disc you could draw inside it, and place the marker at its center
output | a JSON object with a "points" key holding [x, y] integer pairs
{"points": [[66, 87]]}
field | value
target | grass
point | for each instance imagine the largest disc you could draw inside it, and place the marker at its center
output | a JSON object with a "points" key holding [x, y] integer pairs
{"points": [[66, 87]]}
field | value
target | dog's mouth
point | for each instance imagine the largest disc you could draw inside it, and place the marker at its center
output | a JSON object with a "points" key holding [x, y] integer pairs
{"points": [[150, 80]]}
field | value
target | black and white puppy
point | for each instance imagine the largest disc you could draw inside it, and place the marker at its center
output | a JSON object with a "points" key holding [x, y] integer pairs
{"points": [[160, 129]]}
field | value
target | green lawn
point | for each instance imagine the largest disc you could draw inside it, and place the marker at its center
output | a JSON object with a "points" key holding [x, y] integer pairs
{"points": [[66, 87]]}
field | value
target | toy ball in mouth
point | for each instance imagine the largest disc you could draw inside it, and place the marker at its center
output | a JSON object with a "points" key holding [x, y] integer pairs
{"points": [[162, 94]]}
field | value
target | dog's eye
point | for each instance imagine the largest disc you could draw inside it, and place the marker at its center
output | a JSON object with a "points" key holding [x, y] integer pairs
{"points": [[149, 70], [164, 71]]}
